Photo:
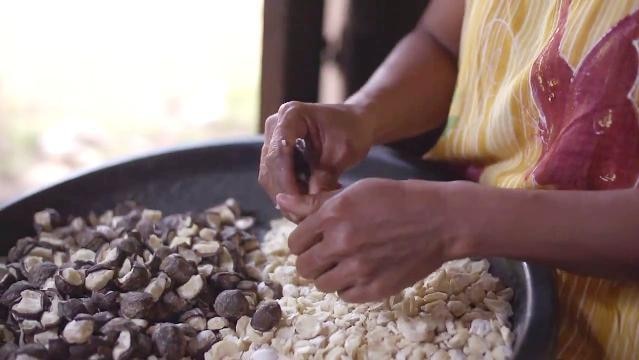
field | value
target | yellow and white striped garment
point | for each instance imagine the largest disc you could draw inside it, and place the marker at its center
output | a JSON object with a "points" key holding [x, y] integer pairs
{"points": [[546, 97]]}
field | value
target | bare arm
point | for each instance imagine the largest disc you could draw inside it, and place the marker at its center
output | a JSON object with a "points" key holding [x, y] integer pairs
{"points": [[411, 91], [350, 237], [589, 232], [408, 95]]}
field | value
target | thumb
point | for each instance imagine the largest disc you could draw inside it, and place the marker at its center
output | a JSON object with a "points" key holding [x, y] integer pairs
{"points": [[301, 206]]}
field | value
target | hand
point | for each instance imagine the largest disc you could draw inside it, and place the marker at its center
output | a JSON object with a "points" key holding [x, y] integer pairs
{"points": [[376, 237], [338, 135]]}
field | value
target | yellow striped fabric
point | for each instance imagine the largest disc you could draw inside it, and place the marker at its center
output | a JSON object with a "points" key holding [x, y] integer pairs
{"points": [[494, 122]]}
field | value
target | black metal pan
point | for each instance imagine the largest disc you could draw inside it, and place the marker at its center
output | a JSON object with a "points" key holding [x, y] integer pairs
{"points": [[196, 177]]}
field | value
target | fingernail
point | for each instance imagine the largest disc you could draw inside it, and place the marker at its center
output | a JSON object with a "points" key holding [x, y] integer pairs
{"points": [[278, 198], [284, 198], [284, 142], [294, 218]]}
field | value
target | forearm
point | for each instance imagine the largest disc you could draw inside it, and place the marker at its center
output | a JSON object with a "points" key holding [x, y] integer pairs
{"points": [[411, 91], [590, 232]]}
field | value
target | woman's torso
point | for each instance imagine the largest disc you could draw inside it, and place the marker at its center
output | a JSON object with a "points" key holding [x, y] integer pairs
{"points": [[547, 97]]}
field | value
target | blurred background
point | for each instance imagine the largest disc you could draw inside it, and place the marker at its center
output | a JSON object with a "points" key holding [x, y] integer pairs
{"points": [[84, 82]]}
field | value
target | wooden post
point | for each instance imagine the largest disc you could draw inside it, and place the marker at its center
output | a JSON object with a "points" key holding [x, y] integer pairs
{"points": [[292, 46]]}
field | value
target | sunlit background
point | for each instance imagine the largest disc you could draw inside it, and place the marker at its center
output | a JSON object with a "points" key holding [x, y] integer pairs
{"points": [[82, 82]]}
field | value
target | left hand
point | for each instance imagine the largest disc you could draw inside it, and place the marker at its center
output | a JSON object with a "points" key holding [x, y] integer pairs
{"points": [[375, 237]]}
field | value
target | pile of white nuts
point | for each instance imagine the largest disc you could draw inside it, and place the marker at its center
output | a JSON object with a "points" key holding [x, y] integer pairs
{"points": [[459, 312]]}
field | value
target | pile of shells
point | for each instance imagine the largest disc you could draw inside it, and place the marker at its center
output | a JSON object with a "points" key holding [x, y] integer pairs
{"points": [[132, 283]]}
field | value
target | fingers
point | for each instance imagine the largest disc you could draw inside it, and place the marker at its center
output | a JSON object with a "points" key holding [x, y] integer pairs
{"points": [[380, 284], [306, 234], [340, 277], [264, 171], [291, 123], [355, 294], [302, 206], [317, 260], [269, 126], [276, 163], [375, 289], [280, 162], [322, 180]]}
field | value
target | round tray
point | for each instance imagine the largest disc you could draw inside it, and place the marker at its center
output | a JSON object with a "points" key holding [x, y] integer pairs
{"points": [[198, 176]]}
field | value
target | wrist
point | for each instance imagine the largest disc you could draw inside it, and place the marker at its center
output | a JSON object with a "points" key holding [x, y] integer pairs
{"points": [[496, 222], [454, 216], [365, 109], [465, 219]]}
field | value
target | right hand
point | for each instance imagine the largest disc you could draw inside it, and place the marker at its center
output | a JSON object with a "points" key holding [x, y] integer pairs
{"points": [[339, 138]]}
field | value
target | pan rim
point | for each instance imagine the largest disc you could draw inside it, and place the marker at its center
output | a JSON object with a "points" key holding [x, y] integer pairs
{"points": [[121, 160]]}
